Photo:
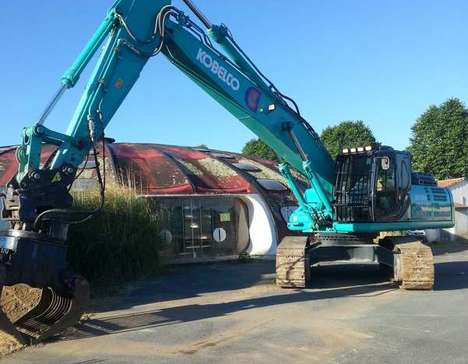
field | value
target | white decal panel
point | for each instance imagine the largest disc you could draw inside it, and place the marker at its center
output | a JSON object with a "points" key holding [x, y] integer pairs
{"points": [[206, 60]]}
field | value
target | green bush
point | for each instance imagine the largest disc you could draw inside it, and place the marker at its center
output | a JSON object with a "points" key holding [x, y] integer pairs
{"points": [[119, 244]]}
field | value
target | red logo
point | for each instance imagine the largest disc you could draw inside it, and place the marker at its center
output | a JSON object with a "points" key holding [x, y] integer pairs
{"points": [[252, 98]]}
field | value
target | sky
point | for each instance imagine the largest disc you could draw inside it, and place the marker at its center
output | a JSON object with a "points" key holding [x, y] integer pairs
{"points": [[383, 62]]}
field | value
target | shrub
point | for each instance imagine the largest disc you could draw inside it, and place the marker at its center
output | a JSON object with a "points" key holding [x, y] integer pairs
{"points": [[119, 244]]}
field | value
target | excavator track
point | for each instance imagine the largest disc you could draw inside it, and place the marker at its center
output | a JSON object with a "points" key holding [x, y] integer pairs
{"points": [[414, 264], [292, 262], [31, 315]]}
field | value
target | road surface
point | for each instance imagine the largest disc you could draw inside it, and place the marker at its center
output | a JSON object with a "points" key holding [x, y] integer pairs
{"points": [[233, 313]]}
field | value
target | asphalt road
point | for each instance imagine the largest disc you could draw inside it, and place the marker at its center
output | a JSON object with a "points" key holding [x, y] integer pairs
{"points": [[233, 313]]}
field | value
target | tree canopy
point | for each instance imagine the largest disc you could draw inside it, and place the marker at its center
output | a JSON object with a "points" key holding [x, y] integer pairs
{"points": [[439, 141], [346, 134], [258, 148]]}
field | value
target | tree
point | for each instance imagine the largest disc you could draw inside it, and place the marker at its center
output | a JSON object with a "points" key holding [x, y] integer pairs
{"points": [[258, 148], [346, 134], [439, 141]]}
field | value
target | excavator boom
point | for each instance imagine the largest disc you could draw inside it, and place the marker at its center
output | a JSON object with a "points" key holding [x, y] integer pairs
{"points": [[134, 32]]}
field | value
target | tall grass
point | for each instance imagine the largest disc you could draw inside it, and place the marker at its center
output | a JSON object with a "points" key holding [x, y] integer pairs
{"points": [[120, 244]]}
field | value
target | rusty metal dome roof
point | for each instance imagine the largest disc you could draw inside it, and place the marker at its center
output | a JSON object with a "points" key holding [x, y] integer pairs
{"points": [[155, 169]]}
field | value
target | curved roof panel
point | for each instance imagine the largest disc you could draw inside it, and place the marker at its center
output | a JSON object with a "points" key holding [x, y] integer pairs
{"points": [[154, 169], [8, 164], [146, 168], [208, 174]]}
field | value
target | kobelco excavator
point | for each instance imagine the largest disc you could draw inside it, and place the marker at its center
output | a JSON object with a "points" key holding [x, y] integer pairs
{"points": [[367, 190]]}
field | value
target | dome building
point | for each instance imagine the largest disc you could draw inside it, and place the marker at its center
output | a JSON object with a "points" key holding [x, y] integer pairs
{"points": [[211, 204]]}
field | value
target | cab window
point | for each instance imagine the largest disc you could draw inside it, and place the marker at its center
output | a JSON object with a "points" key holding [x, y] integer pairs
{"points": [[386, 189]]}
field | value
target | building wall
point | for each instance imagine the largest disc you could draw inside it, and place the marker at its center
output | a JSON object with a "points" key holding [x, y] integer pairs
{"points": [[460, 197], [460, 230], [262, 227], [460, 193], [461, 223]]}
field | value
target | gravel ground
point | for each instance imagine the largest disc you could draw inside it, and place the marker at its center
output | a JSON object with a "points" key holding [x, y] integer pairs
{"points": [[235, 314]]}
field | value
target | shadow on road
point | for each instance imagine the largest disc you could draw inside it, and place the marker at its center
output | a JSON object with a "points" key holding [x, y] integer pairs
{"points": [[190, 281], [195, 280], [441, 248], [328, 282], [451, 275]]}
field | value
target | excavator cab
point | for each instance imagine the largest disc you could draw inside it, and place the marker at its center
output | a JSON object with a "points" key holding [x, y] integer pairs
{"points": [[372, 184]]}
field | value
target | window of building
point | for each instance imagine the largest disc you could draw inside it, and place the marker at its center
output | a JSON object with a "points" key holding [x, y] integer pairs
{"points": [[248, 167], [222, 155], [197, 227], [271, 185]]}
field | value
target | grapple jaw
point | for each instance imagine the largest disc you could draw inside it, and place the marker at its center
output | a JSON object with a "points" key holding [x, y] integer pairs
{"points": [[56, 298]]}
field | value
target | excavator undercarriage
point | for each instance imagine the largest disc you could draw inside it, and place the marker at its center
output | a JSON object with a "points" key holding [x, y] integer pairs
{"points": [[408, 260]]}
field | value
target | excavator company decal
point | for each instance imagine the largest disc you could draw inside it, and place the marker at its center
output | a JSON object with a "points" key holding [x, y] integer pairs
{"points": [[119, 83], [222, 73], [252, 97]]}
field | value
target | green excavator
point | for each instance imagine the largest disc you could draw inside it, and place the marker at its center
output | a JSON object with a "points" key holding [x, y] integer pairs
{"points": [[367, 190]]}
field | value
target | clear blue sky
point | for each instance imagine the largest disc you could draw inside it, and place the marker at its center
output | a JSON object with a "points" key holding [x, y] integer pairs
{"points": [[383, 62]]}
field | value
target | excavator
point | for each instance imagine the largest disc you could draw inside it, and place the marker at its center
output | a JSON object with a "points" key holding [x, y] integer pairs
{"points": [[348, 202]]}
